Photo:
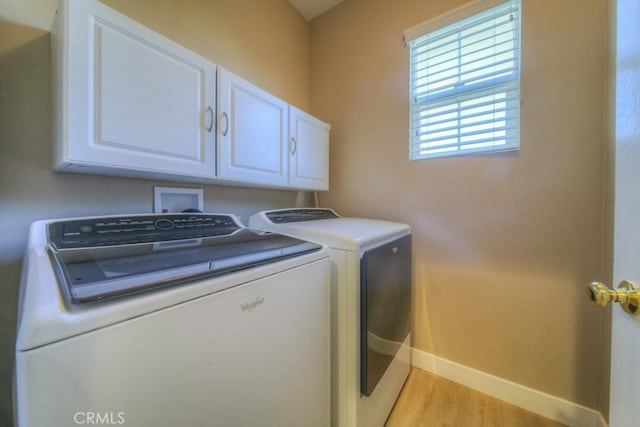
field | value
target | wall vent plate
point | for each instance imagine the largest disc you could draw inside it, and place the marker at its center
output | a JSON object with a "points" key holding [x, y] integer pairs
{"points": [[175, 199]]}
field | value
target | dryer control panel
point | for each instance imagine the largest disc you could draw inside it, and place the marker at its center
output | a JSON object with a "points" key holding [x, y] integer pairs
{"points": [[299, 215]]}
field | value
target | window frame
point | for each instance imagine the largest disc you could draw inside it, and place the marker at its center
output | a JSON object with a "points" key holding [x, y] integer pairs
{"points": [[450, 24]]}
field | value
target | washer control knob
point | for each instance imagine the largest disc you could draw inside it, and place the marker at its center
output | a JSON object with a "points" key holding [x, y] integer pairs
{"points": [[164, 224]]}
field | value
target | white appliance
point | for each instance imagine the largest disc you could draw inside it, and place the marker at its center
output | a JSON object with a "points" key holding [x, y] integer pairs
{"points": [[171, 320], [371, 307]]}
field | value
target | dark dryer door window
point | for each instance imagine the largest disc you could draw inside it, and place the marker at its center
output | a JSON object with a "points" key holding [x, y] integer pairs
{"points": [[385, 296]]}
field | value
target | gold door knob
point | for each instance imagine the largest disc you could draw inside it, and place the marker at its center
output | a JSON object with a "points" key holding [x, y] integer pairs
{"points": [[627, 295]]}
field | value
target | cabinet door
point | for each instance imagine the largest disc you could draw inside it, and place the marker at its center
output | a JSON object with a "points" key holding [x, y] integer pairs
{"points": [[129, 101], [252, 133], [308, 151]]}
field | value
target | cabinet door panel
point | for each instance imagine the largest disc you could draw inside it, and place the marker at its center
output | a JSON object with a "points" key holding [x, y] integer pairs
{"points": [[252, 130], [130, 101], [135, 108], [309, 151], [259, 123]]}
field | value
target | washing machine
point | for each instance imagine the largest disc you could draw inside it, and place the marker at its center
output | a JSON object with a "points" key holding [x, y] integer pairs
{"points": [[171, 320], [371, 307]]}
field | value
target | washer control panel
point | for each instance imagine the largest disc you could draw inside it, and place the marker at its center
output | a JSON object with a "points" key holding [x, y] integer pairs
{"points": [[122, 230]]}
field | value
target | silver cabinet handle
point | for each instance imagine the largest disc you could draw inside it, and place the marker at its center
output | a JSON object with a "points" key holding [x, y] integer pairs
{"points": [[226, 123], [212, 117], [293, 146]]}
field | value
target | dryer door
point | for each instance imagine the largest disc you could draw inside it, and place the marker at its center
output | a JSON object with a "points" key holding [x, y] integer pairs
{"points": [[385, 310]]}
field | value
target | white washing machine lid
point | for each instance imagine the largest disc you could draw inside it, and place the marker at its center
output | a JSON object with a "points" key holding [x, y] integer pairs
{"points": [[336, 232], [45, 314]]}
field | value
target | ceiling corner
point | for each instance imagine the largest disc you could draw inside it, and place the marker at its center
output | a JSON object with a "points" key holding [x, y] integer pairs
{"points": [[310, 9]]}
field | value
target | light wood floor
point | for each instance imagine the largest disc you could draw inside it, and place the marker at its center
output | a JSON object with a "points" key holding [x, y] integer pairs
{"points": [[430, 401]]}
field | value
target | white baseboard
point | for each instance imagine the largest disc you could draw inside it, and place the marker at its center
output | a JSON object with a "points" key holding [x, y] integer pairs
{"points": [[549, 406]]}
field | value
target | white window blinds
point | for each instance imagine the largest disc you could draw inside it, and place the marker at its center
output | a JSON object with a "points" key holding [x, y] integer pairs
{"points": [[465, 82]]}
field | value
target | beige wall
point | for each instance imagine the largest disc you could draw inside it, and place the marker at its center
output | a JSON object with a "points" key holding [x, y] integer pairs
{"points": [[265, 41], [504, 243]]}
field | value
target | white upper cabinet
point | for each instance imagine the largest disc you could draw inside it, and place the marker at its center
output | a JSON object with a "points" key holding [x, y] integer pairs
{"points": [[252, 133], [129, 101], [308, 151]]}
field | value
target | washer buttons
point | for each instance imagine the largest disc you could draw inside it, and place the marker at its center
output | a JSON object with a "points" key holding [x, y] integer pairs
{"points": [[164, 224]]}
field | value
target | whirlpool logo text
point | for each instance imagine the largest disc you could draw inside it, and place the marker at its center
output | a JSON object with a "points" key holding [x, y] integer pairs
{"points": [[250, 306]]}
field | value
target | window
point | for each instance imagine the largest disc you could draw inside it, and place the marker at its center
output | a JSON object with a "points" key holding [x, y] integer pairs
{"points": [[465, 81]]}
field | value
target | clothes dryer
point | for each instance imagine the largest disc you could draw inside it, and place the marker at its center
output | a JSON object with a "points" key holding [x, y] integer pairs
{"points": [[371, 307]]}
